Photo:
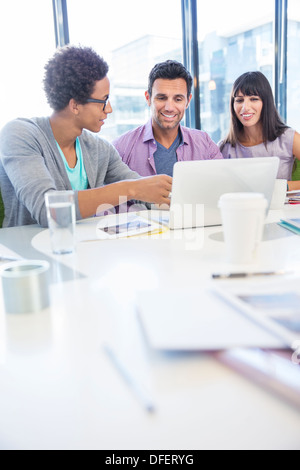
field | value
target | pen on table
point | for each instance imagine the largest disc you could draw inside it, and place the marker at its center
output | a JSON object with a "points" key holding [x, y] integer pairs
{"points": [[8, 258], [139, 392], [242, 275]]}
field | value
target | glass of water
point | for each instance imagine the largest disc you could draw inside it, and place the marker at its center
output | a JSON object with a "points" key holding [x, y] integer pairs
{"points": [[61, 216]]}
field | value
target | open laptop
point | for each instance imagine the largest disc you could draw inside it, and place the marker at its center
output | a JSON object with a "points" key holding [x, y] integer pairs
{"points": [[198, 185]]}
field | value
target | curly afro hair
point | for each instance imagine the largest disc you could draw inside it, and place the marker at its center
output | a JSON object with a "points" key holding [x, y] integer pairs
{"points": [[72, 73]]}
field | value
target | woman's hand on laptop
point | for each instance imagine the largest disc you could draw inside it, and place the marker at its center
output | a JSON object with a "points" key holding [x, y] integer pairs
{"points": [[154, 189]]}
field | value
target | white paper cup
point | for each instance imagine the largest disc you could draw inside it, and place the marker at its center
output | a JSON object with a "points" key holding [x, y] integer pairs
{"points": [[61, 217], [279, 194], [243, 216], [25, 286]]}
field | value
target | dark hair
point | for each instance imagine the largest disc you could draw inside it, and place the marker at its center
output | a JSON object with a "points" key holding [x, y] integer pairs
{"points": [[255, 84], [170, 70], [72, 73]]}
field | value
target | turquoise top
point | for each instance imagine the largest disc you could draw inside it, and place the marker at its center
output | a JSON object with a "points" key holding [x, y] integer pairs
{"points": [[77, 175]]}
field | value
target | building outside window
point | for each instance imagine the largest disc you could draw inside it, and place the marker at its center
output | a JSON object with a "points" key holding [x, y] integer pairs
{"points": [[293, 75], [132, 42], [234, 37]]}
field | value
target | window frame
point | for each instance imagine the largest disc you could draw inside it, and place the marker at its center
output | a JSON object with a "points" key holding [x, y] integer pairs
{"points": [[191, 51]]}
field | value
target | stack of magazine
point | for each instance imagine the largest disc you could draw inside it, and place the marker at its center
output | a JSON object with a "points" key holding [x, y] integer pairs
{"points": [[293, 197]]}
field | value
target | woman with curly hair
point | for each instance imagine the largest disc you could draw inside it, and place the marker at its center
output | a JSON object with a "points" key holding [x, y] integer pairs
{"points": [[256, 129], [64, 151]]}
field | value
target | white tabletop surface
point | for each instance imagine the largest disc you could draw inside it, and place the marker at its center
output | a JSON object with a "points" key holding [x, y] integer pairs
{"points": [[60, 390]]}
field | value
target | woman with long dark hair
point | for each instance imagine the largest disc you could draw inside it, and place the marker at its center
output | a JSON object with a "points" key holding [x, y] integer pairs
{"points": [[256, 129]]}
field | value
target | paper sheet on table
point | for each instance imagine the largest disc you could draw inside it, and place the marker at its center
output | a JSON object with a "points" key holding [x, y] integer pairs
{"points": [[186, 319], [125, 225]]}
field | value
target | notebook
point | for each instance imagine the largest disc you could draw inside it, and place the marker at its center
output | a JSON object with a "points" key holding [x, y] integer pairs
{"points": [[190, 319]]}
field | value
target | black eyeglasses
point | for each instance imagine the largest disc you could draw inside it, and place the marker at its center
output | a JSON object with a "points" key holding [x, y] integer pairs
{"points": [[93, 100]]}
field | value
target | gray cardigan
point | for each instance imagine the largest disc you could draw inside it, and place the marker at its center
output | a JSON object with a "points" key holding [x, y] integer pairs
{"points": [[30, 165]]}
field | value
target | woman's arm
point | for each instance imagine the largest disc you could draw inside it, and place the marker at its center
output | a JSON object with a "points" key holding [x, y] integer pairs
{"points": [[296, 146], [294, 185]]}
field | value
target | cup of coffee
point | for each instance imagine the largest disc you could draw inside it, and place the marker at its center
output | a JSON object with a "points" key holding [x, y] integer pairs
{"points": [[243, 216], [279, 194]]}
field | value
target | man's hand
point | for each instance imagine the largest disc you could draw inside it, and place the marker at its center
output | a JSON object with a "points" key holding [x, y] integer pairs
{"points": [[153, 189]]}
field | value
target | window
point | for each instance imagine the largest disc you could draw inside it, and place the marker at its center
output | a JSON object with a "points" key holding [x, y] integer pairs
{"points": [[27, 41], [293, 76], [234, 37], [132, 42]]}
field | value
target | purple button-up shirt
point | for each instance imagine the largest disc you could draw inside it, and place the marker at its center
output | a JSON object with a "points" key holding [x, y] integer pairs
{"points": [[138, 146]]}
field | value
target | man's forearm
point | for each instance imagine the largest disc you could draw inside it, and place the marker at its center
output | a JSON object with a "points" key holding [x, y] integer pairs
{"points": [[154, 189], [90, 199]]}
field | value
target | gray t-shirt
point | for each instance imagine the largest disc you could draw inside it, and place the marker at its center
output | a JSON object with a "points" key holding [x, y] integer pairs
{"points": [[165, 159], [30, 165], [281, 147]]}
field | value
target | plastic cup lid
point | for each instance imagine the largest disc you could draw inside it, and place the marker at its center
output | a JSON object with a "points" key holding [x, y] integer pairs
{"points": [[244, 199]]}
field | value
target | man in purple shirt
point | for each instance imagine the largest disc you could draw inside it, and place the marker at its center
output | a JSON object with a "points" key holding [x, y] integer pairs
{"points": [[154, 147]]}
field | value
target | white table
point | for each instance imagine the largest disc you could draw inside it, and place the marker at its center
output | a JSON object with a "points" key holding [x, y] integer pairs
{"points": [[58, 388]]}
